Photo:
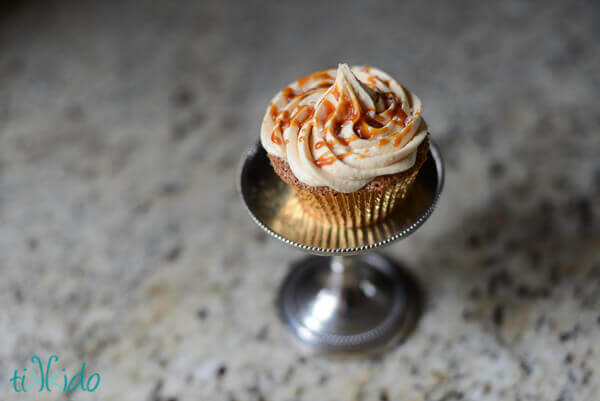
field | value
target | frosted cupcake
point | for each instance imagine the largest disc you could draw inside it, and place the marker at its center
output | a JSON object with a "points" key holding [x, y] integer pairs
{"points": [[349, 141]]}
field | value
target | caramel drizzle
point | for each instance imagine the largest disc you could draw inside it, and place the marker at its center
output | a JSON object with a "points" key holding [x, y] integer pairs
{"points": [[365, 125], [325, 160]]}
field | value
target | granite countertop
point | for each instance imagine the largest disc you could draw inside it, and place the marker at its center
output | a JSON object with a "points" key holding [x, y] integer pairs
{"points": [[124, 243]]}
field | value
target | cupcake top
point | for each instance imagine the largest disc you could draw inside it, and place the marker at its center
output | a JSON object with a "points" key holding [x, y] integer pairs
{"points": [[343, 128]]}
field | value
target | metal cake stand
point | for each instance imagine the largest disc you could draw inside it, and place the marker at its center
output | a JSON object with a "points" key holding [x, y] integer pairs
{"points": [[344, 298]]}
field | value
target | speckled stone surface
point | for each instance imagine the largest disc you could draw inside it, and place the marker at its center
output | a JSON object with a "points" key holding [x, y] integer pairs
{"points": [[124, 243]]}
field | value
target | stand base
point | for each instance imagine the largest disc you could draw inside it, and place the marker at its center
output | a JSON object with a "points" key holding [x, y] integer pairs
{"points": [[359, 304]]}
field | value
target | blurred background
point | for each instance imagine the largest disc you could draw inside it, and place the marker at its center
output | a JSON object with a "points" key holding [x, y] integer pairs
{"points": [[124, 243]]}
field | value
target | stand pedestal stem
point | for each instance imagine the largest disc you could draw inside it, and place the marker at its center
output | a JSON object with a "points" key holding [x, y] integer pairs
{"points": [[343, 276], [348, 303]]}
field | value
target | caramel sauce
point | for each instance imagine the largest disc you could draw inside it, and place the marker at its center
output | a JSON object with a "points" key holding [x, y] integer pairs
{"points": [[283, 121], [314, 89], [336, 127], [398, 140], [365, 125], [400, 113], [403, 134], [317, 75], [370, 119], [346, 141], [383, 142], [275, 138], [325, 160], [329, 108], [288, 93], [336, 93], [281, 124], [273, 111], [348, 111], [299, 111], [363, 130], [358, 131]]}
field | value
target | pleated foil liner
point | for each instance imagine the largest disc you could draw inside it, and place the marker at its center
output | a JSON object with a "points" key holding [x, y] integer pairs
{"points": [[356, 209]]}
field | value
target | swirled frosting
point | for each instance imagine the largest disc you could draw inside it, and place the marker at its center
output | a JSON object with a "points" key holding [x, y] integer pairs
{"points": [[344, 128]]}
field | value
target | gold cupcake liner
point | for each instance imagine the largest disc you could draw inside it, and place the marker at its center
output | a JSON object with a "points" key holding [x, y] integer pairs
{"points": [[356, 209]]}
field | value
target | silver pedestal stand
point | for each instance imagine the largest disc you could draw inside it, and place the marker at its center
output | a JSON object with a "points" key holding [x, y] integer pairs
{"points": [[348, 300]]}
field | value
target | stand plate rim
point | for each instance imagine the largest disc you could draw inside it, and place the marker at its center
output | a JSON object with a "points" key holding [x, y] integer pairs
{"points": [[434, 153]]}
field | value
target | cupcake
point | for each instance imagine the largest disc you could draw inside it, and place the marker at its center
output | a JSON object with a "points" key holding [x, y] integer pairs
{"points": [[349, 141]]}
